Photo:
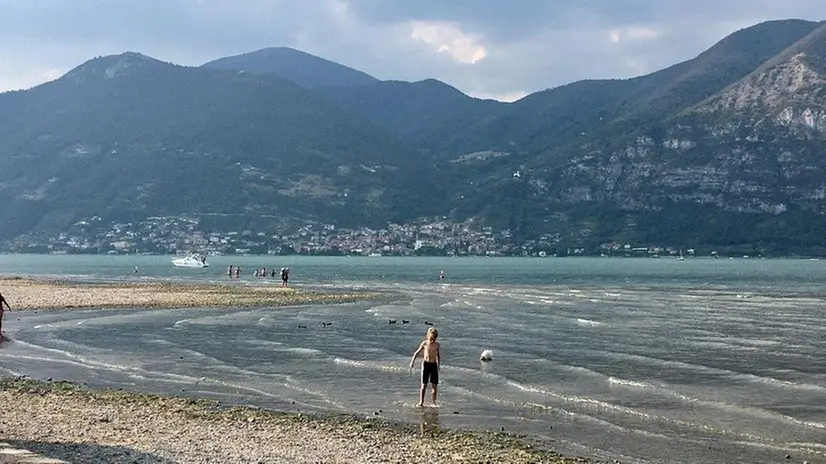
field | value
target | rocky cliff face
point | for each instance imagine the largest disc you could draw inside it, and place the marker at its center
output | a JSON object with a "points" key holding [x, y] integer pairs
{"points": [[790, 94], [754, 147], [750, 156]]}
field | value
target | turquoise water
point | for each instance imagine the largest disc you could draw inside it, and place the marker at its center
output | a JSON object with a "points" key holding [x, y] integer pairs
{"points": [[780, 274], [641, 360]]}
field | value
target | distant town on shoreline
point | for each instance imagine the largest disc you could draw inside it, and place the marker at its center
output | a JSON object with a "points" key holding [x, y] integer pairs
{"points": [[427, 237]]}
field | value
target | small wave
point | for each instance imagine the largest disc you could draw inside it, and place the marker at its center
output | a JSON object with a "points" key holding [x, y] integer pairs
{"points": [[370, 365], [472, 394], [301, 350], [141, 372], [262, 343], [778, 382], [182, 321], [10, 372], [703, 368], [587, 322], [317, 394], [628, 383], [475, 372], [588, 402], [606, 406], [134, 372]]}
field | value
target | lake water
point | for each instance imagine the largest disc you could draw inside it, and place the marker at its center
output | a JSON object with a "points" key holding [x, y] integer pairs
{"points": [[640, 360]]}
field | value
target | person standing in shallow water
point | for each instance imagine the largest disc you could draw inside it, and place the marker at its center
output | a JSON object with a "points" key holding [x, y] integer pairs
{"points": [[2, 302], [431, 361]]}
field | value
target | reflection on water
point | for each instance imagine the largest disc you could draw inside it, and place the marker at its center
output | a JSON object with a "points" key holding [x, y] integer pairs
{"points": [[429, 421]]}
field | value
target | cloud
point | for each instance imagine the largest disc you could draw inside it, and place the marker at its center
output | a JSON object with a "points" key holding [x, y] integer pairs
{"points": [[482, 47], [503, 97], [633, 33], [449, 38]]}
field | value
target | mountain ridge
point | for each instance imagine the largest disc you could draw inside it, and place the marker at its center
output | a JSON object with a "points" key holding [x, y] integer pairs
{"points": [[174, 140], [647, 159], [294, 65]]}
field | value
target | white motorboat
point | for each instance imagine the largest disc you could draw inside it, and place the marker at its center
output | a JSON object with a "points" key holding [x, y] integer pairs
{"points": [[191, 260]]}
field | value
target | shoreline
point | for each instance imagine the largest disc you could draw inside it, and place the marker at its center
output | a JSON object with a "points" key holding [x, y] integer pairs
{"points": [[29, 294], [68, 421]]}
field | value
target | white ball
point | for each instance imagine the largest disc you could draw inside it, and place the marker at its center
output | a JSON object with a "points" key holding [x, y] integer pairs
{"points": [[486, 355]]}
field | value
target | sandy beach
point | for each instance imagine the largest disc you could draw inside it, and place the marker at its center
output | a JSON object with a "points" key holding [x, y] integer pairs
{"points": [[29, 294], [68, 422]]}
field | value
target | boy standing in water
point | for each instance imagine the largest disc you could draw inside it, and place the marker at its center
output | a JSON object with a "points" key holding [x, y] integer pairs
{"points": [[432, 359]]}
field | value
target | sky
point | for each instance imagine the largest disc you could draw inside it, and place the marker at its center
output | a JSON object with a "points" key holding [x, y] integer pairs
{"points": [[486, 48]]}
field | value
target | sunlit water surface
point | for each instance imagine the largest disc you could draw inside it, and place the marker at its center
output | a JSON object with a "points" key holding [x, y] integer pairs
{"points": [[641, 360]]}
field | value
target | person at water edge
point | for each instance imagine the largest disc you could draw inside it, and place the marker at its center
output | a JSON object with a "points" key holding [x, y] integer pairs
{"points": [[2, 302], [431, 360], [285, 276]]}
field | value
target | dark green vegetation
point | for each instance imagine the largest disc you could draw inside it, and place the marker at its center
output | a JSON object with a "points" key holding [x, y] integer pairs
{"points": [[127, 136], [723, 151], [302, 68]]}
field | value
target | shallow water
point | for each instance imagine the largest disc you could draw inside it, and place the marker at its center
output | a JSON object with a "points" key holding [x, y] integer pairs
{"points": [[633, 359]]}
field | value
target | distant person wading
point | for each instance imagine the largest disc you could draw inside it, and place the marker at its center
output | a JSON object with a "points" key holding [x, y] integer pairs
{"points": [[285, 276], [2, 302]]}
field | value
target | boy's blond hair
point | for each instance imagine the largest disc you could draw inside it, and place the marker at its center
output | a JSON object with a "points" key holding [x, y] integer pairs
{"points": [[432, 334]]}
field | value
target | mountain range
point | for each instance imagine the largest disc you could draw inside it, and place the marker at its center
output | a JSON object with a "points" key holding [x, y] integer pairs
{"points": [[722, 151]]}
